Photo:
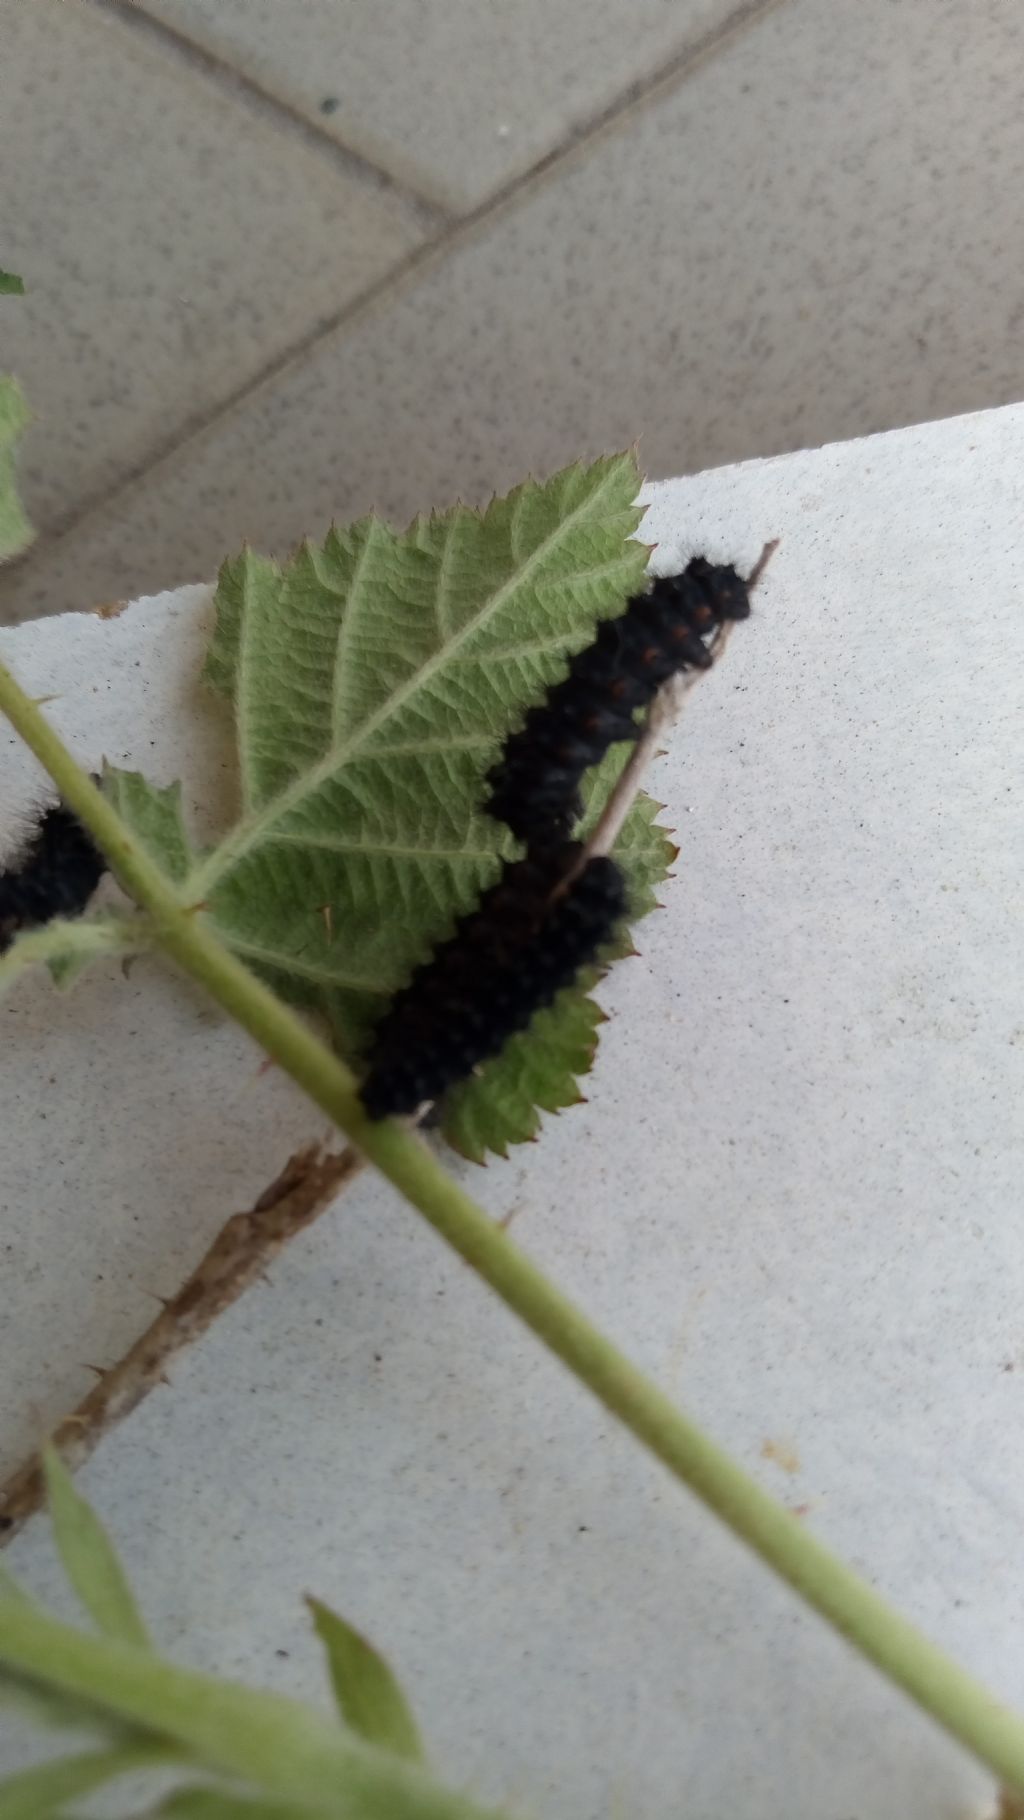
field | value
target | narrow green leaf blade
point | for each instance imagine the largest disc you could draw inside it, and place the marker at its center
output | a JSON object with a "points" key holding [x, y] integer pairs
{"points": [[54, 1710], [11, 285], [37, 1791], [270, 1742], [368, 1696], [88, 1557]]}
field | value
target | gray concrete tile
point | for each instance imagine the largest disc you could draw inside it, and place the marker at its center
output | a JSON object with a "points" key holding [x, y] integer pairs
{"points": [[455, 99], [815, 238], [172, 239]]}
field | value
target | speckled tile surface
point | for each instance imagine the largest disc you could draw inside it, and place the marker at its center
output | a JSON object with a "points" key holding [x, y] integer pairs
{"points": [[173, 242], [802, 243], [455, 98]]}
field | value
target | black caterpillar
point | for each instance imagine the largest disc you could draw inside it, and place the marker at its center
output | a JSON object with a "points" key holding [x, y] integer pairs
{"points": [[526, 939], [56, 875], [534, 786], [507, 958]]}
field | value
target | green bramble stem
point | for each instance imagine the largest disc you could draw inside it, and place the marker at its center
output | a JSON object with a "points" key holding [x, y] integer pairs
{"points": [[990, 1730]]}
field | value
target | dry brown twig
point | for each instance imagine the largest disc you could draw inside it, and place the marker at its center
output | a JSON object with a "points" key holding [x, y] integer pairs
{"points": [[306, 1186], [240, 1254]]}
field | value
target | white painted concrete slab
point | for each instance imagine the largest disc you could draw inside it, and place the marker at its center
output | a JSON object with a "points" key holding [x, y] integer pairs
{"points": [[794, 1195]]}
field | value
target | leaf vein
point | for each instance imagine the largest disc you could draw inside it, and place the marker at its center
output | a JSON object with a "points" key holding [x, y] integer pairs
{"points": [[255, 831], [327, 844], [281, 962]]}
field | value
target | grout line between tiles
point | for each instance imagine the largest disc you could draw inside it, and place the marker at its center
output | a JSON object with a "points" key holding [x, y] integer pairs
{"points": [[455, 233], [264, 102], [635, 98]]}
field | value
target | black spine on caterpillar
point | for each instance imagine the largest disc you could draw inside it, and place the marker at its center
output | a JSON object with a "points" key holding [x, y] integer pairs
{"points": [[534, 786], [507, 959], [55, 874]]}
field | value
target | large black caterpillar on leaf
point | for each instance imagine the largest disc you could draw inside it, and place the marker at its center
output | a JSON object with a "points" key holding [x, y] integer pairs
{"points": [[55, 874], [523, 943], [535, 784]]}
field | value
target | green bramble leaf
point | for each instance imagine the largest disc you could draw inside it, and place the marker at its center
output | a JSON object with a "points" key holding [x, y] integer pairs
{"points": [[88, 1557], [11, 285], [368, 1696], [15, 530], [373, 680]]}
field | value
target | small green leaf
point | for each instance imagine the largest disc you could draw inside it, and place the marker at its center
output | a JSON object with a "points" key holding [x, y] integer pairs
{"points": [[11, 285], [89, 1559], [154, 817], [65, 946], [368, 1696], [35, 1792]]}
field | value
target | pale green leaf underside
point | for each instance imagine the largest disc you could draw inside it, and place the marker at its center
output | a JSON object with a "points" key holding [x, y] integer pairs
{"points": [[373, 680], [15, 530]]}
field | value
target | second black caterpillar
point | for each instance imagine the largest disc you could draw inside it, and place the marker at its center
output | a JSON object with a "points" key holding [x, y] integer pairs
{"points": [[535, 784], [507, 958], [55, 874]]}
